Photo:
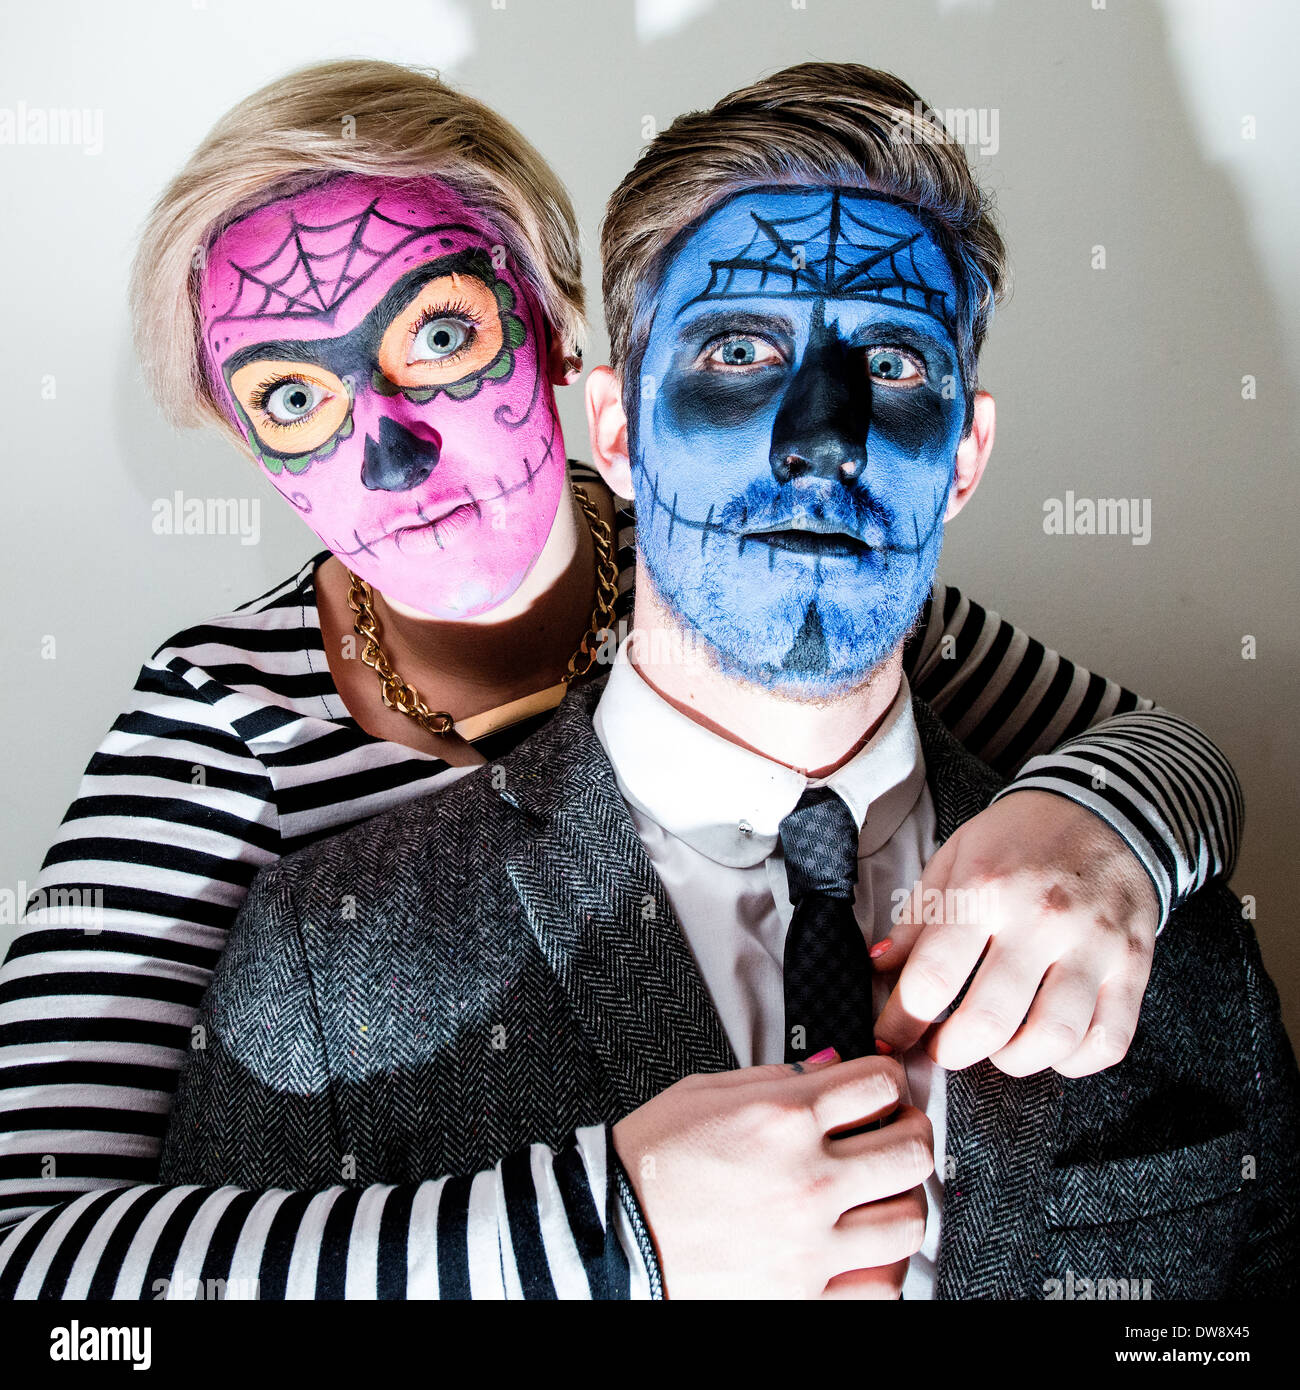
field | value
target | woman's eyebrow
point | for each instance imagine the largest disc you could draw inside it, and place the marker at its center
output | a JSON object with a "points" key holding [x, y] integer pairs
{"points": [[371, 328], [305, 350]]}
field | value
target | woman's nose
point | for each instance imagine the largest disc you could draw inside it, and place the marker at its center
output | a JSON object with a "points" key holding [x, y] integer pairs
{"points": [[399, 459]]}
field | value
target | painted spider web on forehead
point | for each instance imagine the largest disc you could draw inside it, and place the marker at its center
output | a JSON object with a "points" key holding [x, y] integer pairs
{"points": [[315, 267], [861, 261]]}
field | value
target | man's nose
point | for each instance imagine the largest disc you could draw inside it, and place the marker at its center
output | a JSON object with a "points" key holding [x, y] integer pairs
{"points": [[398, 460], [821, 426]]}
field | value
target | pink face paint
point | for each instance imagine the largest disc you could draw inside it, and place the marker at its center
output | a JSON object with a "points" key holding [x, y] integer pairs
{"points": [[388, 367]]}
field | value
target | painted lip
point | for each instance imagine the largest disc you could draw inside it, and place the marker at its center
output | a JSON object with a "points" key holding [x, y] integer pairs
{"points": [[456, 514], [803, 541], [439, 528]]}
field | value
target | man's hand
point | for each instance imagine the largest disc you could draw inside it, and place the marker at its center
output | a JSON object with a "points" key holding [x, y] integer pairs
{"points": [[1064, 916], [749, 1194]]}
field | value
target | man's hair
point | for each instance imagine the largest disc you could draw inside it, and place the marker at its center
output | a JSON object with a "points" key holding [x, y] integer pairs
{"points": [[826, 124], [364, 117]]}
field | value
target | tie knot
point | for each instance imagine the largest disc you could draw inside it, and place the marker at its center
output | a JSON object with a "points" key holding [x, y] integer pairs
{"points": [[820, 841]]}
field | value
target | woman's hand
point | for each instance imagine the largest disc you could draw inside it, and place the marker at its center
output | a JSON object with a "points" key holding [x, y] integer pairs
{"points": [[1064, 916]]}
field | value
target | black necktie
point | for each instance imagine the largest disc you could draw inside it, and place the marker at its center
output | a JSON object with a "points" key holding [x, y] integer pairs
{"points": [[827, 969]]}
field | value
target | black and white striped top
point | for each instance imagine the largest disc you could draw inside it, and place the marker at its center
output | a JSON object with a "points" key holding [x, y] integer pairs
{"points": [[234, 749]]}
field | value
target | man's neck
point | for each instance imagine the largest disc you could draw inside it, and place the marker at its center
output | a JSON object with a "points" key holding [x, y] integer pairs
{"points": [[814, 737]]}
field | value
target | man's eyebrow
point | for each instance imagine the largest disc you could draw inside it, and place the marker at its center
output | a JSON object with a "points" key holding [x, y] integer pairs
{"points": [[737, 320], [908, 334], [309, 350]]}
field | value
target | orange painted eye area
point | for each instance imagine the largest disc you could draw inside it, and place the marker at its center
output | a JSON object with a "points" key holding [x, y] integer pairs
{"points": [[294, 406], [451, 329]]}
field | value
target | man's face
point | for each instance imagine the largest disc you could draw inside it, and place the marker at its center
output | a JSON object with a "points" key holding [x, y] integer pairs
{"points": [[793, 430], [389, 370]]}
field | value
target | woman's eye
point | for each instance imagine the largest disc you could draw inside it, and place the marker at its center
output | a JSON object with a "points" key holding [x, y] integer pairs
{"points": [[292, 401], [741, 352], [895, 366], [438, 339]]}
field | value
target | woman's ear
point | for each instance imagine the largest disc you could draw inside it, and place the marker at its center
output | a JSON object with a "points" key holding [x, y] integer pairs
{"points": [[972, 454], [607, 422], [562, 369]]}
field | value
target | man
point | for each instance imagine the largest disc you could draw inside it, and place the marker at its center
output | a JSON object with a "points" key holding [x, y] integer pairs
{"points": [[679, 877]]}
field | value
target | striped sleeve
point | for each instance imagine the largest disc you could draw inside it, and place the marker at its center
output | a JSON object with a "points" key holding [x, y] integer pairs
{"points": [[102, 981], [99, 992], [542, 1224], [1052, 726]]}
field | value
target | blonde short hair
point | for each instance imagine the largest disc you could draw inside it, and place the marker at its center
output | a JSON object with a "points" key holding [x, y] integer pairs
{"points": [[834, 124], [355, 116]]}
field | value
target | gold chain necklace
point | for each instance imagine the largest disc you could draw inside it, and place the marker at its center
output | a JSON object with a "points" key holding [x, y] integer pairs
{"points": [[400, 695]]}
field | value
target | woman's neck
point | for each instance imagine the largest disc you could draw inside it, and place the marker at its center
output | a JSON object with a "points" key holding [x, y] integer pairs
{"points": [[471, 666]]}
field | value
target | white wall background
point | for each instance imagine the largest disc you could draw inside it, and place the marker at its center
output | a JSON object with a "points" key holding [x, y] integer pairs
{"points": [[1120, 126]]}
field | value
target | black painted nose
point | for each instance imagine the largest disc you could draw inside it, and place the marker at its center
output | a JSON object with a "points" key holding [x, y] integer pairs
{"points": [[398, 460], [821, 427]]}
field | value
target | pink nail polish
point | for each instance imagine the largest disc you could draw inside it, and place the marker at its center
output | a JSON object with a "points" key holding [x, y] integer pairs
{"points": [[827, 1054], [880, 948]]}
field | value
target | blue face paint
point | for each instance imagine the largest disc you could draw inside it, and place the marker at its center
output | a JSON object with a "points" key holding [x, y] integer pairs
{"points": [[793, 428]]}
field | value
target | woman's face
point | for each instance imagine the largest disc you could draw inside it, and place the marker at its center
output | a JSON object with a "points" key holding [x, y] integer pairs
{"points": [[373, 343]]}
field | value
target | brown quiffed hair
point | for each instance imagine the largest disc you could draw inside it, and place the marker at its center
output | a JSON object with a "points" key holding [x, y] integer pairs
{"points": [[354, 116], [832, 124]]}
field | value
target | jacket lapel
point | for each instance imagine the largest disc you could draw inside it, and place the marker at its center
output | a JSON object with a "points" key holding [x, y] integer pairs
{"points": [[600, 915], [1000, 1129], [604, 925]]}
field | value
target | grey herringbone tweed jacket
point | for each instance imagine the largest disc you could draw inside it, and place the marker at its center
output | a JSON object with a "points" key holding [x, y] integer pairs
{"points": [[497, 965]]}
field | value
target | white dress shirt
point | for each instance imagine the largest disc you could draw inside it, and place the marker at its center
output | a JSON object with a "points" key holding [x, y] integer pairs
{"points": [[709, 813]]}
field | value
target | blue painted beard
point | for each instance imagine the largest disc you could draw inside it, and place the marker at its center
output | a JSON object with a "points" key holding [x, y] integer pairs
{"points": [[793, 427]]}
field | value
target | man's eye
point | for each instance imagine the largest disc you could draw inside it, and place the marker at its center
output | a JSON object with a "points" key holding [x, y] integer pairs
{"points": [[439, 339], [895, 366], [292, 401], [740, 352]]}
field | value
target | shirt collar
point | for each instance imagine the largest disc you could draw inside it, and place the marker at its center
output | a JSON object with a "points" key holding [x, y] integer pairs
{"points": [[728, 802]]}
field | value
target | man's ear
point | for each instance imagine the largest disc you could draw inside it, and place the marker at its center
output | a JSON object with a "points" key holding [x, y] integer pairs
{"points": [[607, 423], [972, 454]]}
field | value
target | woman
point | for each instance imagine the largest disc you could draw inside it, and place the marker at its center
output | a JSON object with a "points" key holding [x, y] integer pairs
{"points": [[376, 307]]}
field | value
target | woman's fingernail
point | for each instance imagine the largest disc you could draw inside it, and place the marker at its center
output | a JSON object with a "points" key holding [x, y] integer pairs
{"points": [[884, 1048], [880, 948], [819, 1059]]}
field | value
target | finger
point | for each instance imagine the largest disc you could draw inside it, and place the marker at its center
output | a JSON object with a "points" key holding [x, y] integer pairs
{"points": [[1058, 1018], [944, 955], [995, 1005], [868, 1283], [1114, 1021], [881, 1233], [851, 1093], [882, 1162], [781, 1072], [897, 1031], [908, 921]]}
